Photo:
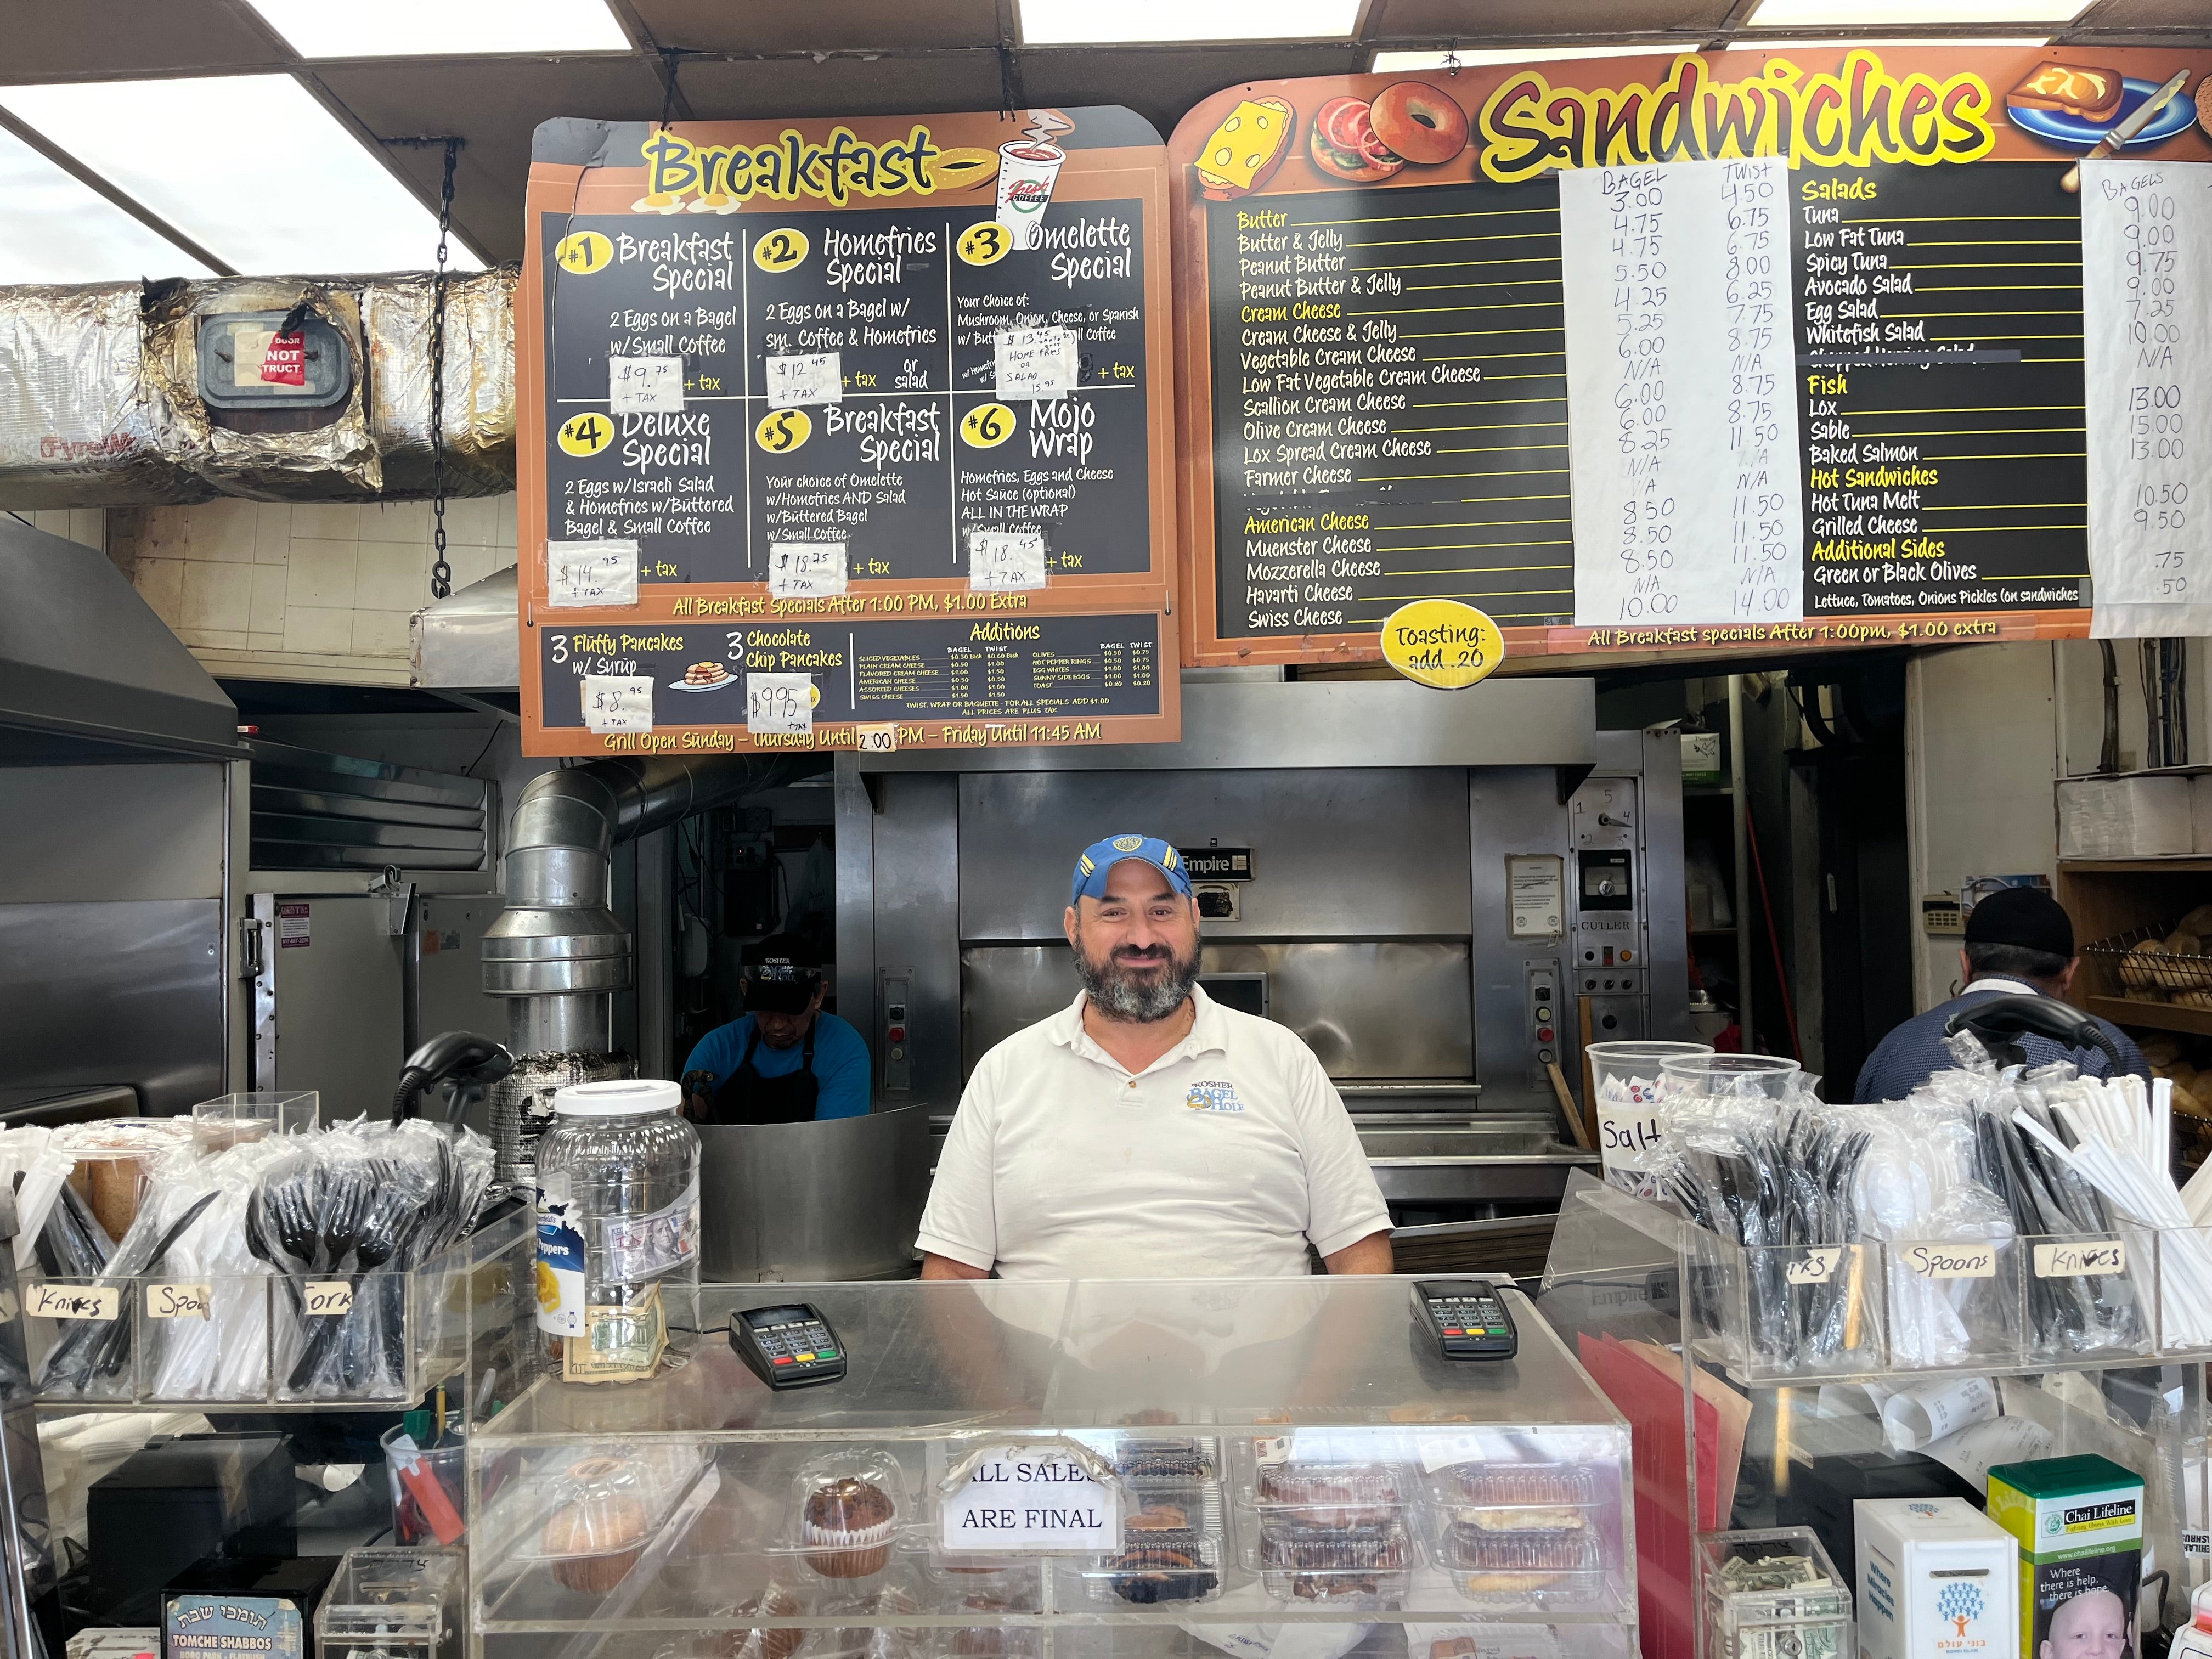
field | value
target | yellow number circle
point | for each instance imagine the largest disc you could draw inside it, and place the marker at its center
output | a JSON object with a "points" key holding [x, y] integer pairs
{"points": [[986, 426], [985, 244], [781, 249], [1442, 642], [782, 430], [583, 252], [586, 433]]}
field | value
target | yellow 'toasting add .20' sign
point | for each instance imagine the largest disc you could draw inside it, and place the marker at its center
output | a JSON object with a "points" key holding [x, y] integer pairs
{"points": [[1442, 642]]}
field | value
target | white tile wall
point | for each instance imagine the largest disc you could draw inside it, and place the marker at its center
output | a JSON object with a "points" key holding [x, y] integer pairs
{"points": [[88, 524], [312, 590]]}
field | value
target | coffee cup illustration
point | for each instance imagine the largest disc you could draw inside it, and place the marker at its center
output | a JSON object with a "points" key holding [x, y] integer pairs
{"points": [[1027, 168]]}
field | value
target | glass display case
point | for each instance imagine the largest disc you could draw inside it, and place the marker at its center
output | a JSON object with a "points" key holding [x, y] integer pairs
{"points": [[1774, 1388], [1013, 1470]]}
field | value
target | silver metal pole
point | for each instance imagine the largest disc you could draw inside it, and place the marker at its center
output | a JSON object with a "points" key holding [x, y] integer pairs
{"points": [[1739, 802]]}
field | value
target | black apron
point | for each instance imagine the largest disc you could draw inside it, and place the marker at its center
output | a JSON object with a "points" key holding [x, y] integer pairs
{"points": [[749, 1097]]}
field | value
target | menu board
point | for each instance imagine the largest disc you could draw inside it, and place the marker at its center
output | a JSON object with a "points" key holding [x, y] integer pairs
{"points": [[867, 370], [1746, 351]]}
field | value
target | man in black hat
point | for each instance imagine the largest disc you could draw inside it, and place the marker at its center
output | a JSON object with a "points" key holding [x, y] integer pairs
{"points": [[2018, 940], [785, 1061]]}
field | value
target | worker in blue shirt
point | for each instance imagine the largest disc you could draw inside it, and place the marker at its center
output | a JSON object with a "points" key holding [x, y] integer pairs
{"points": [[2019, 941], [784, 1061]]}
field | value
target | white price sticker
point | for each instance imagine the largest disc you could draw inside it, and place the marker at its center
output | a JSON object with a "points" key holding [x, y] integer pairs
{"points": [[1037, 362], [876, 739], [805, 570], [1032, 1501], [617, 702], [644, 386], [818, 379], [2086, 1259], [178, 1301], [1005, 561], [580, 574], [100, 1302], [1444, 1451], [781, 703], [1951, 1261]]}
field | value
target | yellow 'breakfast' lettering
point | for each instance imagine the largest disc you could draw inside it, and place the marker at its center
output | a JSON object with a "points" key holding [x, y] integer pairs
{"points": [[792, 167]]}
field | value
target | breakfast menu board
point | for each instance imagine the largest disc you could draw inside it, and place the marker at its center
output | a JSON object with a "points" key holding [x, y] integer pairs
{"points": [[1746, 351], [870, 370]]}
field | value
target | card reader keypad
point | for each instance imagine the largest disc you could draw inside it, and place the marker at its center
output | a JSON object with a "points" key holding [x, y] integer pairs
{"points": [[1468, 1315], [1467, 1320], [804, 1343]]}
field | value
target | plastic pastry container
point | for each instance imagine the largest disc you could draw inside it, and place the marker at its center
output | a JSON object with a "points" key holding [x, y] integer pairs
{"points": [[598, 1516], [1156, 1566], [1532, 1564], [1300, 1564], [1145, 1461], [1334, 1496], [1513, 1485]]}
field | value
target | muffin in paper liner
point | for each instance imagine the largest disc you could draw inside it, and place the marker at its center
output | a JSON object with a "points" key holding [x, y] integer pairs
{"points": [[847, 1507]]}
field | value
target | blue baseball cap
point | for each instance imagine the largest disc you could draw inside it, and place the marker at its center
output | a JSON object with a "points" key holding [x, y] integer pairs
{"points": [[1101, 856]]}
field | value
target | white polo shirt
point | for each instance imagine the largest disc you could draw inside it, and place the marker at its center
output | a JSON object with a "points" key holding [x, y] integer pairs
{"points": [[1221, 1158]]}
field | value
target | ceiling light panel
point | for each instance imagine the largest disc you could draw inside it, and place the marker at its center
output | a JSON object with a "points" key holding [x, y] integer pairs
{"points": [[1891, 14], [55, 228], [1392, 63], [250, 166], [443, 29], [1840, 43], [1133, 23]]}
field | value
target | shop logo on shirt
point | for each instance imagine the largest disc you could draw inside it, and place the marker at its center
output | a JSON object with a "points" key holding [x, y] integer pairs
{"points": [[1213, 1097]]}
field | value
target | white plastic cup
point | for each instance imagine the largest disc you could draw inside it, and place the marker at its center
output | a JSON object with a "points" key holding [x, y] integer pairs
{"points": [[1027, 168], [1770, 1075], [1633, 1065]]}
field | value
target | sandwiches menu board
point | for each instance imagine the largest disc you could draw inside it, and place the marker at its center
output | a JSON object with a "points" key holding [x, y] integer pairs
{"points": [[880, 405], [1745, 350]]}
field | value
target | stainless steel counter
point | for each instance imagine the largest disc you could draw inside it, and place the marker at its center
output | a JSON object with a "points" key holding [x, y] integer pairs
{"points": [[1425, 1158]]}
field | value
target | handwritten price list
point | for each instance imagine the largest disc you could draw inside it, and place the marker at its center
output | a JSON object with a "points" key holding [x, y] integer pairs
{"points": [[1679, 362], [1065, 673], [834, 380], [1940, 381], [2147, 263], [1389, 406]]}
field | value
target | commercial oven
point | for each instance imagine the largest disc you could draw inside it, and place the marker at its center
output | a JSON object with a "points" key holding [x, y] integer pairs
{"points": [[1425, 886]]}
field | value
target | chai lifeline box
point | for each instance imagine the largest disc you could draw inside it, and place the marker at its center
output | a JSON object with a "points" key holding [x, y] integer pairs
{"points": [[2079, 1521], [1937, 1580]]}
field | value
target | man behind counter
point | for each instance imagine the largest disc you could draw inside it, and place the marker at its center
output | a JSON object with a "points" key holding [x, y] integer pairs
{"points": [[1145, 1131], [2018, 940], [784, 1061]]}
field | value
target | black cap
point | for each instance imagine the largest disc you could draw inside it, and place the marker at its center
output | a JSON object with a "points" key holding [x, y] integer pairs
{"points": [[2026, 916], [781, 972]]}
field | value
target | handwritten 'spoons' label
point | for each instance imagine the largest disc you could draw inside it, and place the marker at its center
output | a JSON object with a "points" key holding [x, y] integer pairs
{"points": [[178, 1302], [1951, 1260]]}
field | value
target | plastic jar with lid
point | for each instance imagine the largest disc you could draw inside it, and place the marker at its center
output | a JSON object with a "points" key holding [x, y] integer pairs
{"points": [[617, 1228]]}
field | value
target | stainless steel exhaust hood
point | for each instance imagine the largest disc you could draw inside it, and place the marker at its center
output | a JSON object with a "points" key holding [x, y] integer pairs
{"points": [[89, 673]]}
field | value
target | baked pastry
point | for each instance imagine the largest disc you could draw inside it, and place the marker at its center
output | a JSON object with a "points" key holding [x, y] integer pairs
{"points": [[1156, 1570], [2079, 89], [1159, 1517], [846, 1527], [594, 1539], [1162, 1460], [772, 1602], [1520, 1520]]}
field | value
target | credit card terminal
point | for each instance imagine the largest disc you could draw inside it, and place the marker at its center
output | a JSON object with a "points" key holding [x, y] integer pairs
{"points": [[789, 1345], [1466, 1319]]}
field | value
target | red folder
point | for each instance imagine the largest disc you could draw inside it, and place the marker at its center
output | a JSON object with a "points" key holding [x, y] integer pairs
{"points": [[1652, 1403]]}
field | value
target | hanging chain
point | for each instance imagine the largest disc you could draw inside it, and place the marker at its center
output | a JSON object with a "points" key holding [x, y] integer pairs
{"points": [[442, 573]]}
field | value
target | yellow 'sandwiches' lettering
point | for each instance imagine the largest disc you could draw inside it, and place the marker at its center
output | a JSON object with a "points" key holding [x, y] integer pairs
{"points": [[840, 166], [1861, 115]]}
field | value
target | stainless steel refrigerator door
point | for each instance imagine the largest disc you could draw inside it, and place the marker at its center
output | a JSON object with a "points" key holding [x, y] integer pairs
{"points": [[328, 1006]]}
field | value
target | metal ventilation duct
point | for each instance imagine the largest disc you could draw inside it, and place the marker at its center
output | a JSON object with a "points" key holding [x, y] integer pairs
{"points": [[100, 403]]}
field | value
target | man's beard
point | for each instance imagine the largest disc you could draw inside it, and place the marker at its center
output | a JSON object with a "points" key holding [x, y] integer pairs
{"points": [[1120, 994]]}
